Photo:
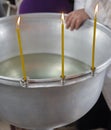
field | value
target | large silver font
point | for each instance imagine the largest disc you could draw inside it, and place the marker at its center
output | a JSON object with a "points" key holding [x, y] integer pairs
{"points": [[51, 103]]}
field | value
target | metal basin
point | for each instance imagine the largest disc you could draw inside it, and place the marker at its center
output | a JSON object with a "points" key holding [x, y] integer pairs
{"points": [[47, 102]]}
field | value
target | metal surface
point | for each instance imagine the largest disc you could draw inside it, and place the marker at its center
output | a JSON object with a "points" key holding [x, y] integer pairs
{"points": [[48, 103]]}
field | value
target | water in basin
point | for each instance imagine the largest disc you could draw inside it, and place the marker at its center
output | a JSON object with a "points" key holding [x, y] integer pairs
{"points": [[41, 66]]}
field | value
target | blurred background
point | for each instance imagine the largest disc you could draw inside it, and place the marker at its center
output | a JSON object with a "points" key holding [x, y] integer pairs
{"points": [[9, 7]]}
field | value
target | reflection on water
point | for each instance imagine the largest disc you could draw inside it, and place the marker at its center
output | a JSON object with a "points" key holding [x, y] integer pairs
{"points": [[39, 66]]}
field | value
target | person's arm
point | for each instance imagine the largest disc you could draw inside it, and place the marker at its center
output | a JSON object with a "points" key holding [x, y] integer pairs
{"points": [[79, 4]]}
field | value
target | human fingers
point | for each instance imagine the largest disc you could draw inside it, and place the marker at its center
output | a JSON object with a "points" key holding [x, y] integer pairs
{"points": [[68, 16], [78, 22], [73, 23], [76, 19], [69, 19], [80, 19]]}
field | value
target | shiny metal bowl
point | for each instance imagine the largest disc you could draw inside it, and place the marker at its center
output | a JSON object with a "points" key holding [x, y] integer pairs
{"points": [[49, 102]]}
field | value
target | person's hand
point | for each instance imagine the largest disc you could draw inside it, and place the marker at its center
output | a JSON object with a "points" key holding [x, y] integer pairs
{"points": [[75, 19]]}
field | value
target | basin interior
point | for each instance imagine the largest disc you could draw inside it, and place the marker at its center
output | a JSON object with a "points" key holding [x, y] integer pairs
{"points": [[41, 41]]}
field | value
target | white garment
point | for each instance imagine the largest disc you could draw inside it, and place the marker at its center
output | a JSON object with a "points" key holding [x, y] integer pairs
{"points": [[104, 12], [79, 4]]}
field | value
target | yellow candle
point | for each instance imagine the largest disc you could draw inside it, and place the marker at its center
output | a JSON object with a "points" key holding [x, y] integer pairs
{"points": [[62, 46], [20, 49], [94, 39]]}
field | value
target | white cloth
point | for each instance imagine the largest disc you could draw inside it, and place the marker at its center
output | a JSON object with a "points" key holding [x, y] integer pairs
{"points": [[79, 4], [104, 12]]}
